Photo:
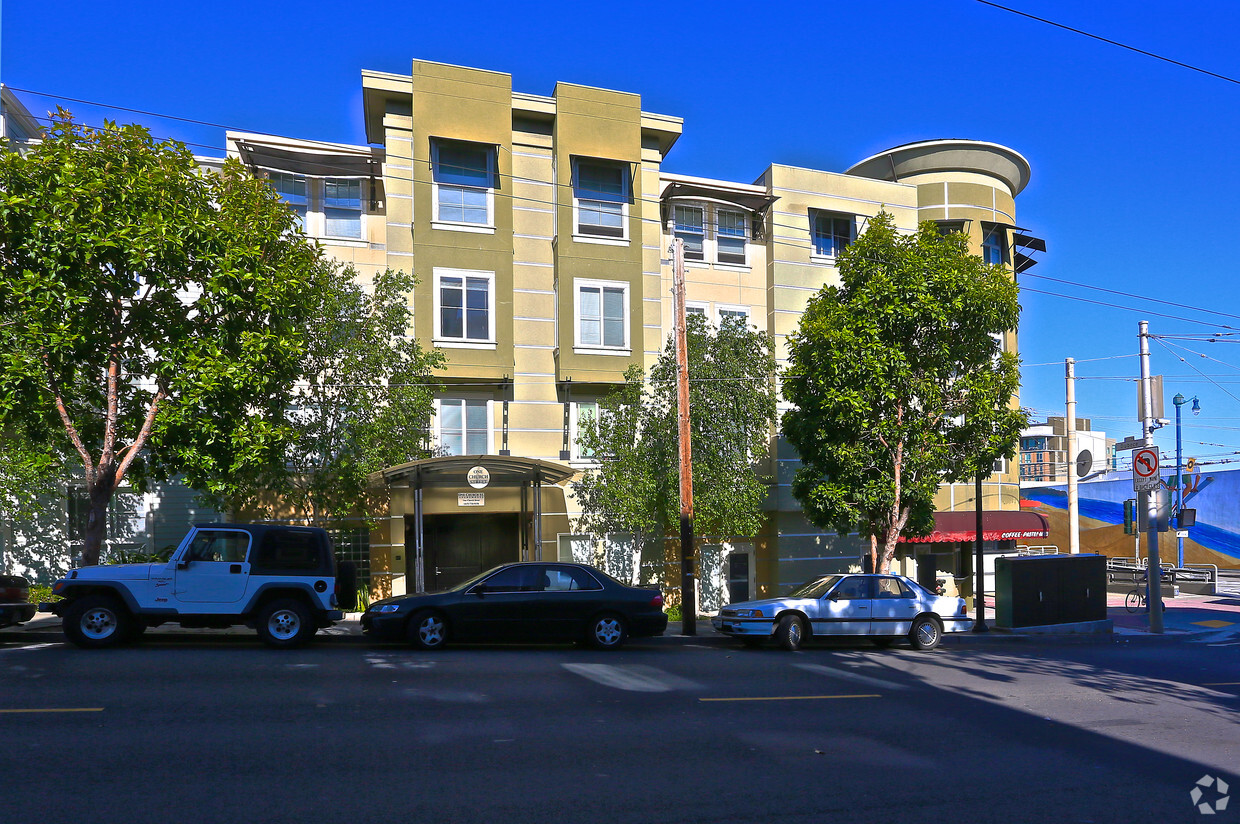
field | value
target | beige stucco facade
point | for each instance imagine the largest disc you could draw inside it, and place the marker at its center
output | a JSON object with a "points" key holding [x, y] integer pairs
{"points": [[538, 228]]}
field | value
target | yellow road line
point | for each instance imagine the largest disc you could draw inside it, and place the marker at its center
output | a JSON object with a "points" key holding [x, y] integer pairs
{"points": [[59, 709], [789, 697]]}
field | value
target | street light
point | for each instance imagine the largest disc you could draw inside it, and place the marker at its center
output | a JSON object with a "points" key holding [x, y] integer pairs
{"points": [[1179, 400]]}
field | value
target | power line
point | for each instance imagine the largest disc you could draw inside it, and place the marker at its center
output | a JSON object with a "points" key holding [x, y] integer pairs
{"points": [[1179, 63]]}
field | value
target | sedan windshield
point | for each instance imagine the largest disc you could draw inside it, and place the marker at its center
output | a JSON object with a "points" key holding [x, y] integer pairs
{"points": [[816, 589]]}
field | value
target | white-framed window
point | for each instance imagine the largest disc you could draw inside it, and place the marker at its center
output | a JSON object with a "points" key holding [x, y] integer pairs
{"points": [[994, 244], [464, 426], [463, 176], [690, 223], [831, 232], [342, 207], [602, 315], [293, 190], [695, 307], [727, 312], [731, 232], [576, 548], [582, 411], [601, 192], [464, 308]]}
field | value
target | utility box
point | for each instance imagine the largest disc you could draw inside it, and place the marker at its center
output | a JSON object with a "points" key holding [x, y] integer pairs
{"points": [[1042, 590]]}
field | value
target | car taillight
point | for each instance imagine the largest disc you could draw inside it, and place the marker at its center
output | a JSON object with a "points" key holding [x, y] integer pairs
{"points": [[13, 594], [657, 600]]}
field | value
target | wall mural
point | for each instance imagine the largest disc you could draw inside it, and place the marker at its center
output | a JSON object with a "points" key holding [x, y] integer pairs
{"points": [[1215, 495]]}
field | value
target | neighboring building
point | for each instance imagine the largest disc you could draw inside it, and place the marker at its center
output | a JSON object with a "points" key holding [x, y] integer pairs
{"points": [[1044, 452], [17, 125]]}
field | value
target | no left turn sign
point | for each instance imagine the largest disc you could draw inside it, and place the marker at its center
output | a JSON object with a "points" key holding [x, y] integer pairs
{"points": [[1145, 469]]}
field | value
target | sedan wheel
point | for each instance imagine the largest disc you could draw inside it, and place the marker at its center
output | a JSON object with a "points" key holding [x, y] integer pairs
{"points": [[428, 630], [607, 632], [790, 632], [925, 634]]}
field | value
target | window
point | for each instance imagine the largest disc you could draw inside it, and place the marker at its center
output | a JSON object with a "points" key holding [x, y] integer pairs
{"points": [[464, 314], [702, 309], [292, 190], [342, 207], [947, 227], [514, 579], [353, 544], [892, 588], [831, 233], [691, 230], [227, 547], [602, 314], [464, 177], [601, 198], [740, 313], [994, 244], [583, 411], [852, 588], [568, 579], [464, 426], [730, 234]]}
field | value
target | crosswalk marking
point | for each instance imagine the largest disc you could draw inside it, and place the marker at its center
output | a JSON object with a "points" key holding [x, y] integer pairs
{"points": [[851, 676], [631, 678]]}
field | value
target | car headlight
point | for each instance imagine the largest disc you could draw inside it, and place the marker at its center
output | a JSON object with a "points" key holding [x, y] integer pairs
{"points": [[749, 613], [386, 608]]}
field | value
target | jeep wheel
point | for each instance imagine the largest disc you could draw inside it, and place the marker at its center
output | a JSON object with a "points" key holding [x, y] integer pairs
{"points": [[97, 621], [286, 623]]}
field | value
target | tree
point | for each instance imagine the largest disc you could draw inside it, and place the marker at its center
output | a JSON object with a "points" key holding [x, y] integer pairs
{"points": [[367, 402], [147, 303], [635, 486], [899, 383]]}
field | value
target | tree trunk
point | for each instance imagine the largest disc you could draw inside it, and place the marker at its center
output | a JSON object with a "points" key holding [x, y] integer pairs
{"points": [[100, 492]]}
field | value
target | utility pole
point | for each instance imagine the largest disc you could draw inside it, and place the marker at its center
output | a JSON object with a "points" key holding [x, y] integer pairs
{"points": [[1074, 507], [688, 596], [1147, 501]]}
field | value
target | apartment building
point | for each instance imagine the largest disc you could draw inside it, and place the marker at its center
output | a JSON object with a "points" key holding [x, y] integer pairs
{"points": [[1045, 457], [538, 228]]}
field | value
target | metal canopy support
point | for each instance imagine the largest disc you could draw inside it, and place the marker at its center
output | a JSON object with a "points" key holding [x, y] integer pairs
{"points": [[537, 515], [418, 568], [525, 522]]}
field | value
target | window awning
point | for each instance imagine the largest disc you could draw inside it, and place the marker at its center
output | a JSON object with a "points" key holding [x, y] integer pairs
{"points": [[453, 470], [750, 201], [316, 164], [996, 526]]}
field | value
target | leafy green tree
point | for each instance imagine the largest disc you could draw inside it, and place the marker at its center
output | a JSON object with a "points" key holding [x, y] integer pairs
{"points": [[366, 404], [899, 383], [153, 316], [635, 487]]}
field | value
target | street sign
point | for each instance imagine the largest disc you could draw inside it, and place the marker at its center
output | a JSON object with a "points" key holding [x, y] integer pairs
{"points": [[1130, 443], [1145, 469]]}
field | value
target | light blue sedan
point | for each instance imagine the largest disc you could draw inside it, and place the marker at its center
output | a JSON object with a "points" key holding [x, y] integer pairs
{"points": [[883, 608]]}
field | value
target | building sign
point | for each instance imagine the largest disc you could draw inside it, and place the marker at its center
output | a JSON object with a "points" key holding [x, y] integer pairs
{"points": [[471, 499], [478, 477]]}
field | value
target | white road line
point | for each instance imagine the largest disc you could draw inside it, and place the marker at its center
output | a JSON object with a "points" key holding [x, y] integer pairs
{"points": [[27, 648], [850, 676], [632, 678]]}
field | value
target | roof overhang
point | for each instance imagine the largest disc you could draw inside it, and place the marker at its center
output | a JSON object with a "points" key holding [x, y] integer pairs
{"points": [[950, 527], [750, 198], [453, 470], [954, 155]]}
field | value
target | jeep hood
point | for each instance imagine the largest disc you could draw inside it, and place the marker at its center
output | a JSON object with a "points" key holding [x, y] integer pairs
{"points": [[114, 572]]}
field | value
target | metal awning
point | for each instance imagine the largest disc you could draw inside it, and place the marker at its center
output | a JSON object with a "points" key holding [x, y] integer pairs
{"points": [[303, 162], [961, 525], [750, 201], [453, 470]]}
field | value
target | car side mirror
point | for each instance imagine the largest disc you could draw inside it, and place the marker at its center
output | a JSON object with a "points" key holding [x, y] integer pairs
{"points": [[834, 596], [480, 590], [182, 563]]}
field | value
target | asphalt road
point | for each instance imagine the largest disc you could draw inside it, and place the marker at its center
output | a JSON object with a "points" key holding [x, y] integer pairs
{"points": [[224, 730]]}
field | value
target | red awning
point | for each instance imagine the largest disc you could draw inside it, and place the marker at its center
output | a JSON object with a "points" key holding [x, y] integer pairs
{"points": [[996, 526]]}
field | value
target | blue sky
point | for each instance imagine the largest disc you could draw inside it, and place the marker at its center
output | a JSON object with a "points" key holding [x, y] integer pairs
{"points": [[1134, 165]]}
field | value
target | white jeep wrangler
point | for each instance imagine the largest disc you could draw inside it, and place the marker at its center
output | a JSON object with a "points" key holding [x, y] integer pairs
{"points": [[283, 581]]}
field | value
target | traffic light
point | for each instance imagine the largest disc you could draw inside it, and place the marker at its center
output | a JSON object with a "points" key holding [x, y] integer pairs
{"points": [[1130, 517]]}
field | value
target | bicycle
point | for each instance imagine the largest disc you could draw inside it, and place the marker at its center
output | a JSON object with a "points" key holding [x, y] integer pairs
{"points": [[1135, 600]]}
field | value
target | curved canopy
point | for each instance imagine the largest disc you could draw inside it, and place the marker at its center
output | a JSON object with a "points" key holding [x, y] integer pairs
{"points": [[996, 526], [453, 470]]}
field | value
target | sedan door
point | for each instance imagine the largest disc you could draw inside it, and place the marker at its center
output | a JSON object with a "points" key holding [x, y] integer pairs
{"points": [[845, 610], [498, 608], [570, 597], [894, 607]]}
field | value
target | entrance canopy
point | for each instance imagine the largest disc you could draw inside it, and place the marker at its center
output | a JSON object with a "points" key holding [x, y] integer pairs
{"points": [[453, 470], [996, 526]]}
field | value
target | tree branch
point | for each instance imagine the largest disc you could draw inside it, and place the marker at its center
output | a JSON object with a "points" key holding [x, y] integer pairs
{"points": [[130, 452], [53, 386]]}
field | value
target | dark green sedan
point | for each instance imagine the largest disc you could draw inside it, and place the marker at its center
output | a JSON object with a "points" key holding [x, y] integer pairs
{"points": [[531, 601]]}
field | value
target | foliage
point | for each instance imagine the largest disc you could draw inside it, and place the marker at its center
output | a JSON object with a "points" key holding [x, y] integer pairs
{"points": [[674, 613], [635, 487], [366, 403], [145, 302], [899, 383], [42, 593]]}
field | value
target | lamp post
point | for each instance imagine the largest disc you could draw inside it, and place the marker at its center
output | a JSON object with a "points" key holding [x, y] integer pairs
{"points": [[1179, 400]]}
